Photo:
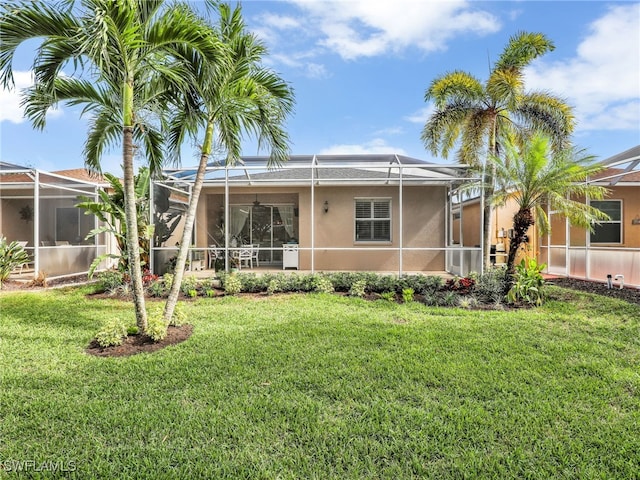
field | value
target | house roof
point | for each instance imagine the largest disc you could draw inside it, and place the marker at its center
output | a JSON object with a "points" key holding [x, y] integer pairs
{"points": [[622, 168], [326, 170]]}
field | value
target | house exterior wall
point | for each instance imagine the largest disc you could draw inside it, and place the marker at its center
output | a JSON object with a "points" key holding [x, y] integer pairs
{"points": [[423, 225]]}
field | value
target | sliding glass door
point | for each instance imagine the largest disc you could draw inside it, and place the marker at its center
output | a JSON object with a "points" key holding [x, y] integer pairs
{"points": [[269, 226]]}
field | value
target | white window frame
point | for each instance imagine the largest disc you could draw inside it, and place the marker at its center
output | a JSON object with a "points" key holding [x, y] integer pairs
{"points": [[619, 222], [356, 219]]}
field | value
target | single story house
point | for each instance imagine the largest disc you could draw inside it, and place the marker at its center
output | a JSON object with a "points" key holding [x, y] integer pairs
{"points": [[385, 213]]}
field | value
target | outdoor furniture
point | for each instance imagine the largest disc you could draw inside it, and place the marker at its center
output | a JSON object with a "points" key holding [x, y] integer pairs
{"points": [[290, 255], [245, 255], [19, 268], [254, 254], [215, 252]]}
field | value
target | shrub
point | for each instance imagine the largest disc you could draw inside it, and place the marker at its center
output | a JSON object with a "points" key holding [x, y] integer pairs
{"points": [[189, 284], [462, 285], [528, 283], [232, 285], [156, 289], [113, 333], [110, 280], [467, 302], [322, 284], [179, 318], [132, 330], [388, 296], [167, 279], [12, 255], [407, 295], [358, 288], [492, 285], [274, 286], [448, 299], [156, 328]]}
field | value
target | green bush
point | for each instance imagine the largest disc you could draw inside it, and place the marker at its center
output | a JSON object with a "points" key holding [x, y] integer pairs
{"points": [[113, 333], [492, 286], [407, 295], [274, 286], [157, 288], [322, 284], [388, 296], [110, 280], [167, 279], [528, 283], [156, 328], [232, 284], [179, 318], [358, 288], [12, 255], [188, 284]]}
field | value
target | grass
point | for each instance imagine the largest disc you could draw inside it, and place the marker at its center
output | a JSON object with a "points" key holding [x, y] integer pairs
{"points": [[323, 386]]}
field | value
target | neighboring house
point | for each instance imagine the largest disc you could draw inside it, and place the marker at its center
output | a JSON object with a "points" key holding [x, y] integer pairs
{"points": [[386, 213], [612, 249], [39, 207]]}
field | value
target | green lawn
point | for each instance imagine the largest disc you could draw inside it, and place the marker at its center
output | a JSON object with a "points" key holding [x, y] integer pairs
{"points": [[322, 386]]}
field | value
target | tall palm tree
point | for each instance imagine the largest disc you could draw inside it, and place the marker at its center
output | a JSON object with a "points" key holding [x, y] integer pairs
{"points": [[122, 52], [477, 116], [225, 103], [540, 180]]}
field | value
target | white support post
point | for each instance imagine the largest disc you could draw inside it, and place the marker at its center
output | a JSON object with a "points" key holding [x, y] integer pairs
{"points": [[400, 224], [36, 224], [313, 216], [226, 218], [152, 245]]}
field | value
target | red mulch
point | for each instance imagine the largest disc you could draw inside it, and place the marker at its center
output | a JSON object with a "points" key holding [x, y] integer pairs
{"points": [[134, 344]]}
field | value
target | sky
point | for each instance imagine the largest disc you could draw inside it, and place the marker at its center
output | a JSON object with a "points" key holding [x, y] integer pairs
{"points": [[359, 70]]}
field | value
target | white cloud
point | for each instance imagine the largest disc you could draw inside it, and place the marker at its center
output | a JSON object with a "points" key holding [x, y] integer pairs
{"points": [[367, 28], [603, 80], [421, 116], [10, 109], [377, 145]]}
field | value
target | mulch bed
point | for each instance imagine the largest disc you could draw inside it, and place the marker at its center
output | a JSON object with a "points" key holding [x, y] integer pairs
{"points": [[134, 344]]}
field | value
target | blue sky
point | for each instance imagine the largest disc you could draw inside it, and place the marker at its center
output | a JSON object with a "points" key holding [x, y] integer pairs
{"points": [[360, 69]]}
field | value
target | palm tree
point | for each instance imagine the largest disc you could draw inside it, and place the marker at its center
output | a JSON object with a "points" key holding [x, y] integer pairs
{"points": [[478, 117], [122, 53], [225, 103], [540, 180]]}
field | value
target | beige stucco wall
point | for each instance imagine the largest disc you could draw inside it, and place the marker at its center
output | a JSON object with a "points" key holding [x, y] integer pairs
{"points": [[423, 225]]}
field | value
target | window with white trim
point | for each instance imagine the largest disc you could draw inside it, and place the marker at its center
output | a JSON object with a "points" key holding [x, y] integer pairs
{"points": [[373, 219], [608, 231]]}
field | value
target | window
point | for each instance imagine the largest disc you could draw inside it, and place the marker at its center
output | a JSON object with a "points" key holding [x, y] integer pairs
{"points": [[608, 231], [373, 220]]}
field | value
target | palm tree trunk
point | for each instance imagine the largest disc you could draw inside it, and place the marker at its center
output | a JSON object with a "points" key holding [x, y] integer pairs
{"points": [[522, 220], [181, 261], [130, 213]]}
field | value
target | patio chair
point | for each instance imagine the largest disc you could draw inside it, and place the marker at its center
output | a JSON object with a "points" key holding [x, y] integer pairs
{"points": [[254, 254], [18, 269], [245, 255]]}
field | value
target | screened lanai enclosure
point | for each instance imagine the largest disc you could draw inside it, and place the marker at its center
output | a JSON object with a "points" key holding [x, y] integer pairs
{"points": [[613, 248], [385, 213], [38, 209]]}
